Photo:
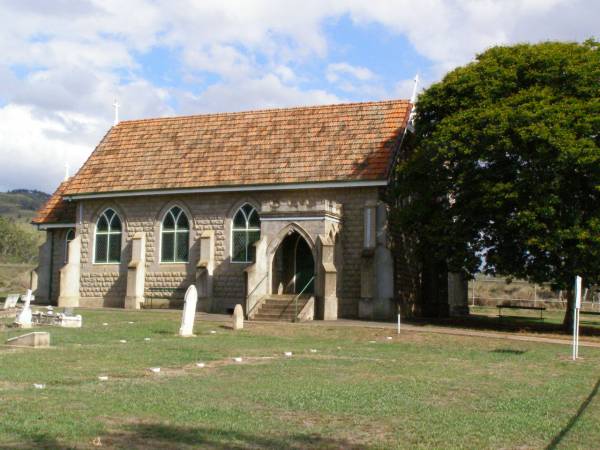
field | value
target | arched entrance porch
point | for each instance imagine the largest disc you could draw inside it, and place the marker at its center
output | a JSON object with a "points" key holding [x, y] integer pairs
{"points": [[293, 266]]}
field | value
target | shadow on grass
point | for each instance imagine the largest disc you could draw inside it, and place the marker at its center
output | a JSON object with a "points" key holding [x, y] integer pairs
{"points": [[160, 436], [507, 324], [560, 436], [37, 441]]}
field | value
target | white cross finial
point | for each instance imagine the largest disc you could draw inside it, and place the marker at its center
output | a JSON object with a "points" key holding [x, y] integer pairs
{"points": [[66, 171], [116, 106], [413, 97]]}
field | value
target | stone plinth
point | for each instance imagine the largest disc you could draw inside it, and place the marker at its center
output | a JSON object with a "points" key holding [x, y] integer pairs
{"points": [[37, 339]]}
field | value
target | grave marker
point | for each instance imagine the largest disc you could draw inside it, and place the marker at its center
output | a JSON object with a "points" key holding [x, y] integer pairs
{"points": [[189, 312]]}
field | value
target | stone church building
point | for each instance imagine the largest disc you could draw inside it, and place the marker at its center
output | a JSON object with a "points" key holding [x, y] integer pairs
{"points": [[279, 210]]}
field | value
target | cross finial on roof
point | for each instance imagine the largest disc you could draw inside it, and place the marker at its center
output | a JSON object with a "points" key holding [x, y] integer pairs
{"points": [[116, 106], [413, 97]]}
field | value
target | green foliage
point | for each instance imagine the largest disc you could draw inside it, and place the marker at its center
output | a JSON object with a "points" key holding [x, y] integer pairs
{"points": [[504, 176], [18, 242]]}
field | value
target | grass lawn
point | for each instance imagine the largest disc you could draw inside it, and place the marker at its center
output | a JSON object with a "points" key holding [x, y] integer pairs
{"points": [[418, 390]]}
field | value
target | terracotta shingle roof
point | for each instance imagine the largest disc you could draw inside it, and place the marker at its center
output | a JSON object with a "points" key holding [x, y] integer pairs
{"points": [[56, 209], [346, 142]]}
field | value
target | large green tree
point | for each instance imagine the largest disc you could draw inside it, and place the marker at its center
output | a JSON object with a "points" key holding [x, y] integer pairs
{"points": [[504, 174]]}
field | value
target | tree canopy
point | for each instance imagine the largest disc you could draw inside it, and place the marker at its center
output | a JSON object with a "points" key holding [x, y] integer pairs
{"points": [[504, 173]]}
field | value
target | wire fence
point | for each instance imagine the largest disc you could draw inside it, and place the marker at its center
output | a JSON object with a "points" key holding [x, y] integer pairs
{"points": [[488, 291]]}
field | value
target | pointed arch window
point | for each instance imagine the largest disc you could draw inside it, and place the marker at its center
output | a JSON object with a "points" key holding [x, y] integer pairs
{"points": [[245, 232], [68, 238], [107, 243], [175, 236]]}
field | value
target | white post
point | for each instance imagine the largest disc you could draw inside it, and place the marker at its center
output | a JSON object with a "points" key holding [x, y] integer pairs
{"points": [[398, 323], [576, 317], [116, 106]]}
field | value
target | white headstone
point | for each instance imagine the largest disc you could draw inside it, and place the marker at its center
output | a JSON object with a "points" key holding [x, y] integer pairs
{"points": [[11, 301], [189, 312], [24, 317], [238, 317], [70, 321]]}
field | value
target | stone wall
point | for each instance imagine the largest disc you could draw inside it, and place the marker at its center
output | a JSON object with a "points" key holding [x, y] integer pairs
{"points": [[105, 284]]}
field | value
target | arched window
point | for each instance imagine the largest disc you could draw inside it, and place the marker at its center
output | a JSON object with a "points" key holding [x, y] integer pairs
{"points": [[108, 238], [245, 232], [175, 236], [68, 238]]}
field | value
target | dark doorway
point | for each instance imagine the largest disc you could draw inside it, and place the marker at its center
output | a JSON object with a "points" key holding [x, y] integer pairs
{"points": [[293, 266]]}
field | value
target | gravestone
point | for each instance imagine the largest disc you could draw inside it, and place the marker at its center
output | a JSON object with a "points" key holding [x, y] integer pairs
{"points": [[36, 339], [189, 312], [24, 317], [238, 317], [67, 321], [11, 301]]}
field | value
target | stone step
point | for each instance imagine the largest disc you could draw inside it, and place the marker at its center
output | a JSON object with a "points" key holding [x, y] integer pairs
{"points": [[280, 308], [273, 310]]}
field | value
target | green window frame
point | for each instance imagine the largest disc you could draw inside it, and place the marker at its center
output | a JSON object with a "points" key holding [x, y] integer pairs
{"points": [[175, 237], [107, 240], [245, 231]]}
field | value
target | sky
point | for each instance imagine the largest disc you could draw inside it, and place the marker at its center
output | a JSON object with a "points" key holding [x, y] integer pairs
{"points": [[64, 62]]}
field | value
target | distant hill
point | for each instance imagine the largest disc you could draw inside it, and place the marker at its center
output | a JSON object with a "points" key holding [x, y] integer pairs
{"points": [[21, 204]]}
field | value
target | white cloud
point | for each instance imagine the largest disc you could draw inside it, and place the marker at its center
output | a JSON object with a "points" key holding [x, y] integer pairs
{"points": [[338, 70], [33, 149], [266, 92]]}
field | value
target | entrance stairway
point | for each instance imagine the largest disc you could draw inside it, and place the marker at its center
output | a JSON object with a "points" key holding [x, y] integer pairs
{"points": [[281, 308]]}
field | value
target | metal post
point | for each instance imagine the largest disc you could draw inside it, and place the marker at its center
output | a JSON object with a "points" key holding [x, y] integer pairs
{"points": [[577, 305], [398, 323]]}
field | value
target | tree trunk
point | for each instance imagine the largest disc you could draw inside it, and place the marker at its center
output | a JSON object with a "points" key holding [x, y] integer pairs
{"points": [[568, 320]]}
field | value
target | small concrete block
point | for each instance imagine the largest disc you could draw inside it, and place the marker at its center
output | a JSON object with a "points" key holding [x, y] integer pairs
{"points": [[213, 332], [37, 339], [288, 354], [313, 350], [123, 341], [39, 386], [146, 339], [155, 369], [237, 359], [103, 378], [200, 365]]}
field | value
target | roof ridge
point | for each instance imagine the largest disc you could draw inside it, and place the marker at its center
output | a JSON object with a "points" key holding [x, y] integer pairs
{"points": [[266, 110]]}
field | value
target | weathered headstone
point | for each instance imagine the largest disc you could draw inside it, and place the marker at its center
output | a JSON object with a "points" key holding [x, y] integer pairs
{"points": [[238, 317], [66, 321], [11, 301], [189, 312], [24, 317], [36, 339]]}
